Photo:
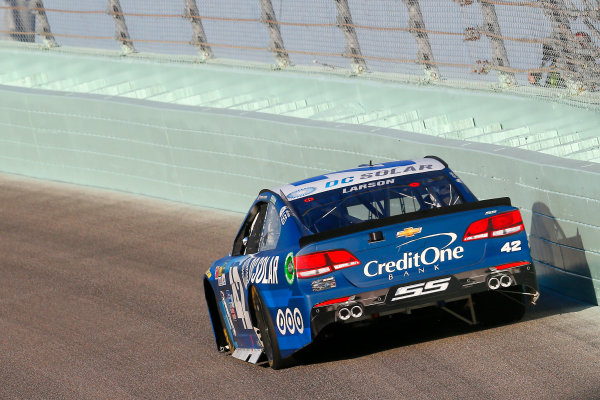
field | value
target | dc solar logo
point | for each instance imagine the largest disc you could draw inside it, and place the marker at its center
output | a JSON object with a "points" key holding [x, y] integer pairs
{"points": [[301, 193]]}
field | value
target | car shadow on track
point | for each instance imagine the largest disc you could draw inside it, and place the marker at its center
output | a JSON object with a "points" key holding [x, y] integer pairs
{"points": [[349, 341], [554, 303]]}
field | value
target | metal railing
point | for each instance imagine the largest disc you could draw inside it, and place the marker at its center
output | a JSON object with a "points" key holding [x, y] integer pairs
{"points": [[546, 43]]}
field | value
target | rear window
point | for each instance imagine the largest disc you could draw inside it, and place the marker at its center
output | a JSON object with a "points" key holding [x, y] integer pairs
{"points": [[384, 198]]}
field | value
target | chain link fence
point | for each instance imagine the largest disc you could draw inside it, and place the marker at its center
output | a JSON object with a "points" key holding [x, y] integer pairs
{"points": [[542, 43]]}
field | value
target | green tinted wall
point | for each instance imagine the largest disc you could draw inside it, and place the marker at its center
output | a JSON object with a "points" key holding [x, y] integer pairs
{"points": [[221, 156]]}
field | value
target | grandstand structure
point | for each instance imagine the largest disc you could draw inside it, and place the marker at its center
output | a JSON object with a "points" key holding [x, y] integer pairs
{"points": [[544, 49]]}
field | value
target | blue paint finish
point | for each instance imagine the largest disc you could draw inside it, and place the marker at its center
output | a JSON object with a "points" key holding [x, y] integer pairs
{"points": [[309, 180], [422, 254]]}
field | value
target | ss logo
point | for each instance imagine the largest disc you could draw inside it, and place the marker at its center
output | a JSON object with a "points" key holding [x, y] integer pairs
{"points": [[422, 288]]}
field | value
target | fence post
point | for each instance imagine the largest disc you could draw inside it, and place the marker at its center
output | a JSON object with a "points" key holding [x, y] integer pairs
{"points": [[19, 21], [344, 21], [276, 45], [494, 34], [557, 12], [199, 39], [417, 29], [121, 32], [43, 26]]}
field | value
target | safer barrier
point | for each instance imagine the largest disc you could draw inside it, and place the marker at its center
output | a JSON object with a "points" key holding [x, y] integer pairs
{"points": [[220, 156]]}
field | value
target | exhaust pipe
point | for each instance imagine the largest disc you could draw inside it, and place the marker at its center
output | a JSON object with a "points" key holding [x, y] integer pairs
{"points": [[505, 281], [356, 311], [344, 314], [493, 283]]}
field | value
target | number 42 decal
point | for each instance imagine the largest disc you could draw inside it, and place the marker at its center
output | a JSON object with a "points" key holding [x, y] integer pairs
{"points": [[511, 246]]}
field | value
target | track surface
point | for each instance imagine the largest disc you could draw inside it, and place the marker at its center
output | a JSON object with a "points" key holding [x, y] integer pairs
{"points": [[100, 297]]}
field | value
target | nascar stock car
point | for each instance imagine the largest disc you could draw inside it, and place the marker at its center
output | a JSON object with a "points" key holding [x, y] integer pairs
{"points": [[364, 243]]}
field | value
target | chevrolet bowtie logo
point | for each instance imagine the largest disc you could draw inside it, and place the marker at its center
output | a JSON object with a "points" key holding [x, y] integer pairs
{"points": [[408, 232]]}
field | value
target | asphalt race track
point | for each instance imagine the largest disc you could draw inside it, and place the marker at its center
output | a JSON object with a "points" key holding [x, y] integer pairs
{"points": [[101, 298]]}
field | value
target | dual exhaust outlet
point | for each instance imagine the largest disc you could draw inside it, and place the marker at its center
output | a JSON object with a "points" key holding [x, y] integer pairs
{"points": [[356, 311], [501, 280]]}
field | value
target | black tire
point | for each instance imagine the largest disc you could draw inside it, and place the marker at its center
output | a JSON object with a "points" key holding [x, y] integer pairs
{"points": [[267, 332], [496, 307]]}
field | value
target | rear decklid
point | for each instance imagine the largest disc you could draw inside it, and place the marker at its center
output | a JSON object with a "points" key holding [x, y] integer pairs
{"points": [[435, 242]]}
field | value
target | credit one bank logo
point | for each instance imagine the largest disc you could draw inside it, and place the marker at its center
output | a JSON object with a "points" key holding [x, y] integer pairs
{"points": [[430, 256]]}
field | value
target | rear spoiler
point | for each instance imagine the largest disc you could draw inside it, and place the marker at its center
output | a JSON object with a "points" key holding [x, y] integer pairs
{"points": [[378, 223]]}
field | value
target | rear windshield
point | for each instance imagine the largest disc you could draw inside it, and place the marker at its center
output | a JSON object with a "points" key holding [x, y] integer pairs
{"points": [[338, 208]]}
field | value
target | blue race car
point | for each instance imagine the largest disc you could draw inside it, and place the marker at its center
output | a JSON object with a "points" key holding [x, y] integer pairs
{"points": [[360, 244]]}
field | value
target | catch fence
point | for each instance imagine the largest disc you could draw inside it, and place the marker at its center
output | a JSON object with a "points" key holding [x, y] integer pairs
{"points": [[541, 43]]}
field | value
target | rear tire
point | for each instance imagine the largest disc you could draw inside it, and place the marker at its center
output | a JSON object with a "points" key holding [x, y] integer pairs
{"points": [[267, 331], [496, 307]]}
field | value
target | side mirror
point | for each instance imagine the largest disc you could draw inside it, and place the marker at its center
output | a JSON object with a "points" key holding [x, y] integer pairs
{"points": [[245, 241]]}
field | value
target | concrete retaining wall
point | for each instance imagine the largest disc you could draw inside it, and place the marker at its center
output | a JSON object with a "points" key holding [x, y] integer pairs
{"points": [[222, 157]]}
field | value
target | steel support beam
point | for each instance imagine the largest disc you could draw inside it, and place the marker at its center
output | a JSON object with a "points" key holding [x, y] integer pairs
{"points": [[276, 41], [121, 32], [492, 30], [417, 29], [345, 23], [199, 39]]}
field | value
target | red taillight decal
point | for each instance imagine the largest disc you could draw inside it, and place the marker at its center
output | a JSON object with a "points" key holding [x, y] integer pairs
{"points": [[342, 259], [499, 225], [512, 265], [334, 301], [323, 262]]}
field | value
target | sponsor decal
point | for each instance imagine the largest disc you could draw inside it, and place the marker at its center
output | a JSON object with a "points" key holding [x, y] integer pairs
{"points": [[421, 289], [356, 177], [336, 182], [301, 192], [395, 171], [208, 274], [227, 312], [260, 270], [284, 214], [290, 268], [408, 232], [273, 200], [231, 306], [323, 284], [429, 256], [220, 275], [289, 321], [367, 185]]}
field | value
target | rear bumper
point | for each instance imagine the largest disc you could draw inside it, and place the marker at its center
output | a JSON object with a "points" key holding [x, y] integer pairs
{"points": [[407, 296]]}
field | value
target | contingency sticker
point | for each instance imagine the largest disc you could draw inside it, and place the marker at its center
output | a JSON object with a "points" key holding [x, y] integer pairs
{"points": [[290, 268], [284, 214]]}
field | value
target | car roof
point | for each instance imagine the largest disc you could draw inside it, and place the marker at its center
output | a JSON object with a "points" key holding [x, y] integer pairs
{"points": [[359, 175]]}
